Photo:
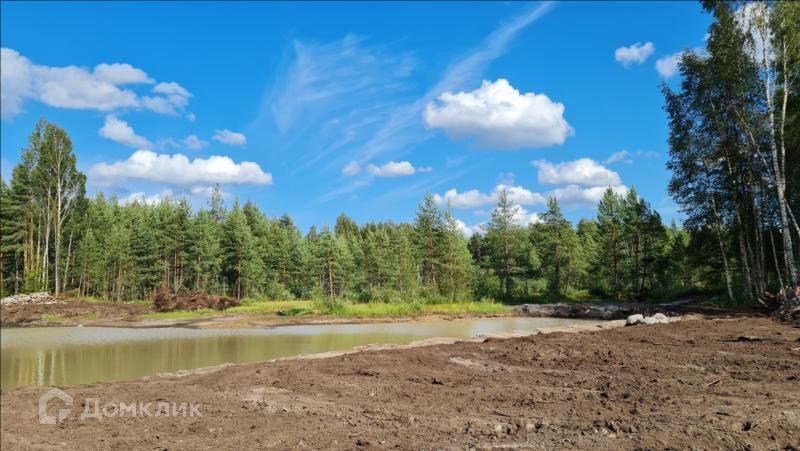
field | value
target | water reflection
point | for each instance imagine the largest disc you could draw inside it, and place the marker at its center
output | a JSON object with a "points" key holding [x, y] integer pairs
{"points": [[72, 355]]}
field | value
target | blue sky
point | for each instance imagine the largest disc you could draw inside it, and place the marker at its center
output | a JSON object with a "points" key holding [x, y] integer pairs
{"points": [[318, 108]]}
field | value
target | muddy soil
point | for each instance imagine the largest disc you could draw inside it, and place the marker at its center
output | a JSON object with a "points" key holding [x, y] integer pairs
{"points": [[166, 301], [703, 384], [68, 313]]}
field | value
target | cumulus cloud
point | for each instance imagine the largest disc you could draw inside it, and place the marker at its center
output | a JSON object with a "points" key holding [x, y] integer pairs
{"points": [[395, 169], [634, 54], [583, 171], [174, 98], [15, 82], [104, 88], [350, 169], [474, 198], [194, 143], [523, 217], [228, 137], [177, 169], [120, 74], [119, 131], [667, 66], [467, 199], [578, 196], [464, 229], [497, 116], [579, 183]]}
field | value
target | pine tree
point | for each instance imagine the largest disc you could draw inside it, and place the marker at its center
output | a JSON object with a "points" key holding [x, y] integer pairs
{"points": [[500, 233], [428, 226], [557, 248], [457, 271], [609, 231]]}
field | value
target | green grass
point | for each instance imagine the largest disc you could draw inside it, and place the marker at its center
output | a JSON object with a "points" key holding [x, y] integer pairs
{"points": [[52, 317], [339, 309], [263, 306], [380, 310], [182, 314]]}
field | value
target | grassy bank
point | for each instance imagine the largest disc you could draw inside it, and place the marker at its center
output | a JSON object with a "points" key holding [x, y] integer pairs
{"points": [[340, 309]]}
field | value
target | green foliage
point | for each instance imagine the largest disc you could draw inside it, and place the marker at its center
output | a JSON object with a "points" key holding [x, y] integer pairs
{"points": [[128, 251]]}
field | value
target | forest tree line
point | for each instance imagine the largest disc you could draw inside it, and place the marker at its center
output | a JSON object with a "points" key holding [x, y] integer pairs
{"points": [[734, 137], [734, 130], [55, 238]]}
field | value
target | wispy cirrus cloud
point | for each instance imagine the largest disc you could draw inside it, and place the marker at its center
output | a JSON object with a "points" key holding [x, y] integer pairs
{"points": [[330, 96], [350, 101]]}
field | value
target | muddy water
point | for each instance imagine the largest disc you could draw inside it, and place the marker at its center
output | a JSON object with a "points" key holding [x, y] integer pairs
{"points": [[78, 355]]}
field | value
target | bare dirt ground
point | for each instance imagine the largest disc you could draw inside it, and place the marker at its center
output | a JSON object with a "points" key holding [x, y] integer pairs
{"points": [[68, 313], [700, 384]]}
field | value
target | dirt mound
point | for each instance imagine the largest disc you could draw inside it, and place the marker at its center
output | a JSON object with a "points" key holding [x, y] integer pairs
{"points": [[32, 298], [166, 301]]}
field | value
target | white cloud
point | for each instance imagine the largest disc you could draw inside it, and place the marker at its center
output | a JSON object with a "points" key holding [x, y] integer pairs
{"points": [[463, 229], [394, 169], [350, 169], [583, 171], [577, 196], [497, 116], [474, 198], [142, 198], [568, 196], [667, 66], [73, 87], [194, 143], [192, 117], [622, 155], [627, 157], [119, 131], [636, 53], [159, 105], [177, 169], [174, 98], [120, 74], [228, 137], [520, 195], [76, 88], [15, 82], [171, 88], [467, 199], [401, 129], [523, 217]]}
